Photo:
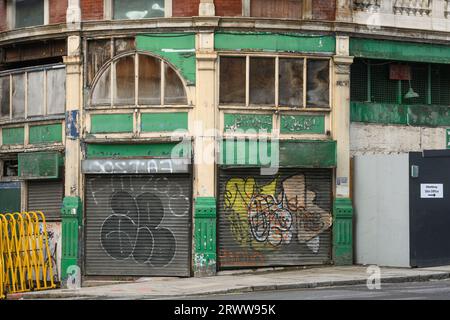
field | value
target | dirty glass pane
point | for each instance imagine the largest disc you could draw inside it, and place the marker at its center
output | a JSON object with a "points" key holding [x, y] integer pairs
{"points": [[18, 89], [29, 13], [149, 80], [102, 89], [123, 45], [125, 80], [56, 91], [174, 89], [262, 81], [4, 97], [291, 82], [99, 51], [35, 94], [318, 85], [232, 80], [138, 9]]}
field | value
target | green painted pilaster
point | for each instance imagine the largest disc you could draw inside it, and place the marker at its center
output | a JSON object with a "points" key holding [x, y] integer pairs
{"points": [[71, 214], [343, 232], [205, 237]]}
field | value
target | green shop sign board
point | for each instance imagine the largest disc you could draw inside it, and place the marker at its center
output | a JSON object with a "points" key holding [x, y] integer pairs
{"points": [[157, 150], [111, 123], [302, 124], [248, 122], [164, 121], [39, 165]]}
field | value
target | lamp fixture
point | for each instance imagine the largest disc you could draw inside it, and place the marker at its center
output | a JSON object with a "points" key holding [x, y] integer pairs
{"points": [[411, 93]]}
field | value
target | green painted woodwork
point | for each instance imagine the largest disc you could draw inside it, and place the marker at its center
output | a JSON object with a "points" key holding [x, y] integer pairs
{"points": [[343, 232], [302, 124], [205, 236], [51, 133], [160, 150], [39, 165], [412, 115], [177, 48], [71, 215], [9, 197], [111, 123], [402, 51], [274, 42], [12, 136], [448, 138], [164, 122], [287, 153], [248, 122]]}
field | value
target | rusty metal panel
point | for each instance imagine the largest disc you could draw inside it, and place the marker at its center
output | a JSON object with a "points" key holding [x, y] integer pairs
{"points": [[138, 225], [279, 220]]}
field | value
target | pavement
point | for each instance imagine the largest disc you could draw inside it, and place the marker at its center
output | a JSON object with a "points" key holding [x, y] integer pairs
{"points": [[239, 282]]}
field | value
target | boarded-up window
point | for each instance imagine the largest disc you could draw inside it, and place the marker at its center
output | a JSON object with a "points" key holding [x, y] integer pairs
{"points": [[29, 13], [18, 100], [99, 51], [291, 9], [318, 91], [125, 80], [35, 93], [4, 96], [291, 82], [56, 91], [174, 89], [149, 80], [138, 9], [123, 45], [232, 80], [262, 81]]}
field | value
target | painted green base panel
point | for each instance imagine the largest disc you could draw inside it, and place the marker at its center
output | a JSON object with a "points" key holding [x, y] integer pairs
{"points": [[111, 123], [164, 122], [205, 256], [403, 51], [234, 122], [274, 42], [51, 133], [177, 48], [10, 197], [71, 214], [163, 150], [306, 124], [343, 232], [13, 136]]}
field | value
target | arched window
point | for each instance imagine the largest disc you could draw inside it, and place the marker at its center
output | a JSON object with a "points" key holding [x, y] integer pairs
{"points": [[138, 80]]}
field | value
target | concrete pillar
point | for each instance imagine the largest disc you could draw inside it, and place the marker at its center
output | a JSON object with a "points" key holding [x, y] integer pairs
{"points": [[307, 9], [344, 10], [73, 15], [206, 8], [205, 120], [342, 208]]}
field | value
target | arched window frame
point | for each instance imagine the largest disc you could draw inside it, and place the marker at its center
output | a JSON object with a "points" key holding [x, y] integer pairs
{"points": [[135, 53]]}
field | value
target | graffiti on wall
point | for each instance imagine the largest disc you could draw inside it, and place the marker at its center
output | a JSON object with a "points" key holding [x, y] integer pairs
{"points": [[267, 217], [54, 243]]}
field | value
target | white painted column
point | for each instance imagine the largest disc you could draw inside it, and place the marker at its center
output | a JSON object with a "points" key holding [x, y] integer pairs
{"points": [[206, 8], [343, 10], [73, 15]]}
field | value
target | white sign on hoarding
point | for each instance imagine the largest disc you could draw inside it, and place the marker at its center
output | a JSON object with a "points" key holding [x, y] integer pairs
{"points": [[431, 191]]}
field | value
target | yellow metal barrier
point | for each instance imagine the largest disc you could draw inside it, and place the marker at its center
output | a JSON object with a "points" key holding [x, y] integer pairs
{"points": [[25, 262]]}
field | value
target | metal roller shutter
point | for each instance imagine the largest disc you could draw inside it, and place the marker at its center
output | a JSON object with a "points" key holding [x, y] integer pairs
{"points": [[279, 220], [138, 225], [46, 196]]}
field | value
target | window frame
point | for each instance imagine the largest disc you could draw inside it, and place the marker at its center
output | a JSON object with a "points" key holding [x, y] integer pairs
{"points": [[11, 14], [108, 12], [111, 65], [25, 71], [248, 106]]}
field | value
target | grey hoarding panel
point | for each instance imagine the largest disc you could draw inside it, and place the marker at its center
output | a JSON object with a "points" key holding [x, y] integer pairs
{"points": [[138, 225], [46, 196], [278, 220], [135, 166]]}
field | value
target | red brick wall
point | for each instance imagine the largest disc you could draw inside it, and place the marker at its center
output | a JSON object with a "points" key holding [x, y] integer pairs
{"points": [[91, 10], [3, 15], [228, 8], [185, 8], [324, 9], [58, 9]]}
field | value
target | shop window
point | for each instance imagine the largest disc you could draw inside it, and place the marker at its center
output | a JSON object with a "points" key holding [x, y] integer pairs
{"points": [[156, 83], [27, 13], [138, 9], [291, 9], [275, 81], [32, 92]]}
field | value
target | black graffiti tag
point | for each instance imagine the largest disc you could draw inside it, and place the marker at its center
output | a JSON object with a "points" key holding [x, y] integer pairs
{"points": [[133, 230]]}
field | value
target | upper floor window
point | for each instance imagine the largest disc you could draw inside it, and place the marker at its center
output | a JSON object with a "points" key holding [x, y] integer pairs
{"points": [[138, 9], [32, 92], [292, 9], [138, 80], [27, 13], [294, 82]]}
